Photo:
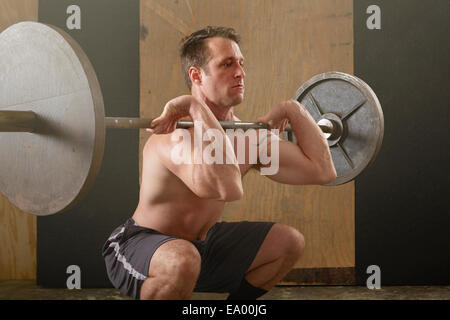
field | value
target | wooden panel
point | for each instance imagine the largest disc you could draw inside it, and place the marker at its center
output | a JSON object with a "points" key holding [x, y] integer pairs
{"points": [[13, 11], [17, 229], [284, 43]]}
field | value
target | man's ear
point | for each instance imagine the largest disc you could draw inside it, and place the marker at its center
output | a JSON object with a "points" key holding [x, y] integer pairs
{"points": [[195, 74]]}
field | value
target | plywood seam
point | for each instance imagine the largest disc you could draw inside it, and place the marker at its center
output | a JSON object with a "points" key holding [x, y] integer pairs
{"points": [[168, 16]]}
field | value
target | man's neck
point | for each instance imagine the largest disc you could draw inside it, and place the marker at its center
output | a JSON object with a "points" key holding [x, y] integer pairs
{"points": [[222, 113]]}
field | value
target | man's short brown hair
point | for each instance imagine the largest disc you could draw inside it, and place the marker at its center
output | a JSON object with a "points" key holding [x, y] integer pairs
{"points": [[194, 52]]}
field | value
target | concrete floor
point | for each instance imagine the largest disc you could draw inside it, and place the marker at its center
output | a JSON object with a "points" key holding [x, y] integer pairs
{"points": [[28, 290]]}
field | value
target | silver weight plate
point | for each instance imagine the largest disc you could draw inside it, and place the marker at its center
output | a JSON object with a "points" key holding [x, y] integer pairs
{"points": [[354, 107], [42, 69]]}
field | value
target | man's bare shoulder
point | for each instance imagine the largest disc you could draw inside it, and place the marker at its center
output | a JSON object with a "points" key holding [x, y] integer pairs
{"points": [[159, 147], [167, 140], [153, 142], [156, 147]]}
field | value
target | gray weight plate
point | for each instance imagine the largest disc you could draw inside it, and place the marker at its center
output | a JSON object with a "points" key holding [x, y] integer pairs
{"points": [[42, 69], [358, 109]]}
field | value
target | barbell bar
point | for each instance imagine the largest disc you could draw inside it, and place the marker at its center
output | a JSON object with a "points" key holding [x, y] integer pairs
{"points": [[52, 119], [25, 121]]}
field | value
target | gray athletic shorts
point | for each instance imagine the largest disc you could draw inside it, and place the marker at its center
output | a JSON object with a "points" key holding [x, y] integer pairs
{"points": [[227, 252]]}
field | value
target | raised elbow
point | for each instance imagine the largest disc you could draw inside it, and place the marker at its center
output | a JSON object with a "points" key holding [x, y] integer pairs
{"points": [[327, 176]]}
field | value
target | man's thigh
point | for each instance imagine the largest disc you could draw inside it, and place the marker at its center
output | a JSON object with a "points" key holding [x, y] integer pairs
{"points": [[127, 254], [227, 253], [281, 240]]}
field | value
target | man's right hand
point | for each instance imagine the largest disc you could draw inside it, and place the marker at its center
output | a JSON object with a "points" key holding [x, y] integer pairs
{"points": [[174, 110], [277, 117]]}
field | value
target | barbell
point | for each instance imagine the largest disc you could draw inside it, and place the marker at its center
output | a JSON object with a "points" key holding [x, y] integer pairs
{"points": [[52, 119]]}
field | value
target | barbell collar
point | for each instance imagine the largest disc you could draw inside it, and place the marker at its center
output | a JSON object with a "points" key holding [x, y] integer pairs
{"points": [[127, 123]]}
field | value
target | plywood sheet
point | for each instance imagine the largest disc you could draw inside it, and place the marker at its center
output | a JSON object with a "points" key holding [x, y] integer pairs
{"points": [[284, 43], [17, 229]]}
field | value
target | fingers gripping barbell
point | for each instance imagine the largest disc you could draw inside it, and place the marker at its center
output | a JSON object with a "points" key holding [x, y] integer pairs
{"points": [[52, 119]]}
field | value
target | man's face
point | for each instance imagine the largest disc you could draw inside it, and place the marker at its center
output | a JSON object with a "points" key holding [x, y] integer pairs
{"points": [[223, 78]]}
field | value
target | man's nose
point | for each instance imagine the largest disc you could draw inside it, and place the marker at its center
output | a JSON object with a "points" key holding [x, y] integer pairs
{"points": [[240, 73]]}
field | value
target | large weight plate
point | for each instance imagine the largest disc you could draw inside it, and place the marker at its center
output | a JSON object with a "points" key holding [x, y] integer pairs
{"points": [[357, 107], [42, 69]]}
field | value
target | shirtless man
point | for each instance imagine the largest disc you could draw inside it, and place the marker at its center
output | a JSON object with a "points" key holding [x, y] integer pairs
{"points": [[173, 244]]}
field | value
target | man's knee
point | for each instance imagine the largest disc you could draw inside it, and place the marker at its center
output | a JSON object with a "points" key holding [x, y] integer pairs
{"points": [[298, 241], [178, 260], [186, 265], [293, 242], [173, 272]]}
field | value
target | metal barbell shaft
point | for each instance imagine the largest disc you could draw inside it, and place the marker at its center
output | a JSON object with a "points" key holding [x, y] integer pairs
{"points": [[25, 121]]}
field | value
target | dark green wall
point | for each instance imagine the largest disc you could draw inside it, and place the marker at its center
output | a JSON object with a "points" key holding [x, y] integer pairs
{"points": [[402, 202], [110, 37]]}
